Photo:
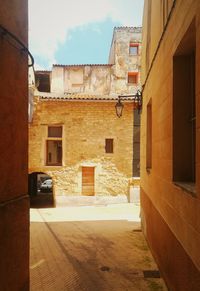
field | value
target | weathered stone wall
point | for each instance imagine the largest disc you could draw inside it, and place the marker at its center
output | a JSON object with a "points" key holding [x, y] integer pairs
{"points": [[81, 79], [86, 125], [14, 201], [171, 214], [110, 79], [122, 61]]}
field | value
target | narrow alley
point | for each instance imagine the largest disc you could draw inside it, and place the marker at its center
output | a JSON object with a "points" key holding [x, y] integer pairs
{"points": [[91, 248]]}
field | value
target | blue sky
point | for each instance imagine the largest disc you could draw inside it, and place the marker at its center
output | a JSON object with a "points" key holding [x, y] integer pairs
{"points": [[88, 44], [77, 32]]}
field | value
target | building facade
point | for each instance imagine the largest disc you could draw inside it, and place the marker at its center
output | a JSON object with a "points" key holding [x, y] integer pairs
{"points": [[14, 200], [170, 139], [75, 136]]}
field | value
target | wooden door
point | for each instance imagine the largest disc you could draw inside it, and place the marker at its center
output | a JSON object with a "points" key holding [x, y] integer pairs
{"points": [[88, 181]]}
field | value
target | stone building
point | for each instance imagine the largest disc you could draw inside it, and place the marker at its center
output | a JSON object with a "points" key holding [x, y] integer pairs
{"points": [[170, 139], [75, 136], [14, 200]]}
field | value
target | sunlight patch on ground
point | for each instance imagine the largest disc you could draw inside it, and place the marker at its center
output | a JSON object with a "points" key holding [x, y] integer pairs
{"points": [[130, 212], [37, 264]]}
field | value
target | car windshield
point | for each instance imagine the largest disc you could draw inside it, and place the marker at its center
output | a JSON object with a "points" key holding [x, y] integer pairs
{"points": [[47, 182]]}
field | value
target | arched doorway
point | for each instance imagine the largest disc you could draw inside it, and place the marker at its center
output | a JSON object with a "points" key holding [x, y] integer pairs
{"points": [[40, 188]]}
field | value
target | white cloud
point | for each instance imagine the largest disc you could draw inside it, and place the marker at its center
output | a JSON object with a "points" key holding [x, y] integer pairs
{"points": [[38, 67], [50, 21]]}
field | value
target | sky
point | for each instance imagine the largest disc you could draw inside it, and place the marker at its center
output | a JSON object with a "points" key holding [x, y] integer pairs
{"points": [[77, 31]]}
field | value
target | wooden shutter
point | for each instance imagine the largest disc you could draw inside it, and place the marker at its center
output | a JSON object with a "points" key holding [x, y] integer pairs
{"points": [[109, 145], [132, 77]]}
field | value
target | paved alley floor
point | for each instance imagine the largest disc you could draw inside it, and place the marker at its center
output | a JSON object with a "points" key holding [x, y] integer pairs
{"points": [[92, 248]]}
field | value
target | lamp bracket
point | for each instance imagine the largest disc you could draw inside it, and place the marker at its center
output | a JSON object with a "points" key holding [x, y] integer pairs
{"points": [[136, 98]]}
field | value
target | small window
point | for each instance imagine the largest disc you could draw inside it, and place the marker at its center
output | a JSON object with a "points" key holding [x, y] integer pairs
{"points": [[42, 81], [54, 131], [133, 49], [109, 145], [132, 78]]}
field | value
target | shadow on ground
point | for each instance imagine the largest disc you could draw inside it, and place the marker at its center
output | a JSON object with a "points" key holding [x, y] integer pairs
{"points": [[91, 248], [42, 200]]}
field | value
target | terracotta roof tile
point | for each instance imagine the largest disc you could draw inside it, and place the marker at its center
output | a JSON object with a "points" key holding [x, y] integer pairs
{"points": [[42, 71], [78, 97], [136, 29], [82, 65]]}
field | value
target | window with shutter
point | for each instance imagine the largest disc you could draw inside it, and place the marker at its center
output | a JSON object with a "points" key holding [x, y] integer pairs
{"points": [[109, 145]]}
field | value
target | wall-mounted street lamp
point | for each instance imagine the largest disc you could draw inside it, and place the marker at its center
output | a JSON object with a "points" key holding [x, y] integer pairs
{"points": [[119, 107], [137, 102]]}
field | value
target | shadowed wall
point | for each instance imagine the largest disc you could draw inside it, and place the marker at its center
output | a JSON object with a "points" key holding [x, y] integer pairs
{"points": [[14, 203]]}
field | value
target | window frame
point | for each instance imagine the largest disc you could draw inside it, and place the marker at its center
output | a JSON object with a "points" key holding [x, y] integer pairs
{"points": [[135, 45], [149, 141], [184, 112], [56, 126], [109, 147], [56, 139], [132, 74]]}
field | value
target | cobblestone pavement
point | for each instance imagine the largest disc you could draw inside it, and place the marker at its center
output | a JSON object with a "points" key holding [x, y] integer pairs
{"points": [[92, 248]]}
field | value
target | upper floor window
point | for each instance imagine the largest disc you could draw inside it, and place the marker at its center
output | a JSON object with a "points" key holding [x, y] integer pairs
{"points": [[55, 131], [132, 78], [109, 145], [133, 49], [42, 80], [54, 146]]}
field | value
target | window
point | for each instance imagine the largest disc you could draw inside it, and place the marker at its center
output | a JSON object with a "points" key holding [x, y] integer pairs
{"points": [[136, 144], [55, 131], [132, 78], [133, 49], [184, 109], [149, 136], [109, 145], [54, 146], [42, 80]]}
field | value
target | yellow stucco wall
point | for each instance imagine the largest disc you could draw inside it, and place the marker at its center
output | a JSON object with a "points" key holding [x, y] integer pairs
{"points": [[179, 209]]}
